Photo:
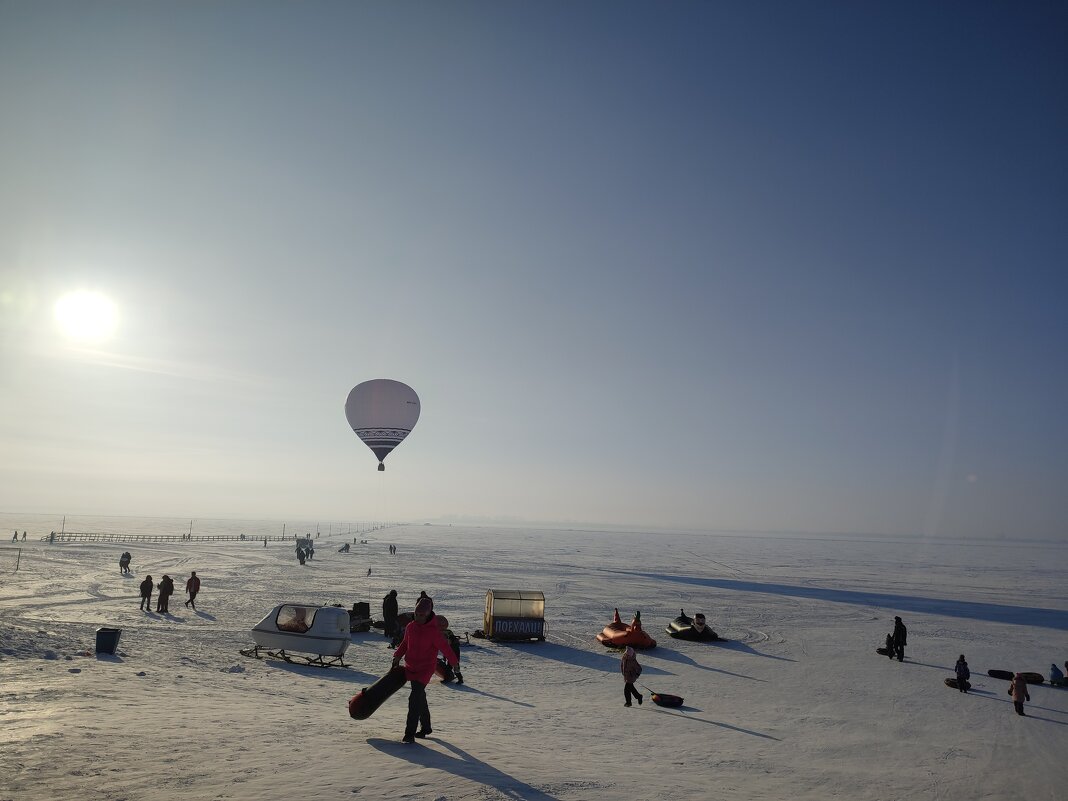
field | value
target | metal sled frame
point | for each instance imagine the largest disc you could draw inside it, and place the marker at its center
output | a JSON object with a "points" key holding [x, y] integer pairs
{"points": [[319, 660]]}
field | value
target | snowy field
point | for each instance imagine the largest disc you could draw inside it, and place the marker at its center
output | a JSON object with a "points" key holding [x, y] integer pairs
{"points": [[796, 706]]}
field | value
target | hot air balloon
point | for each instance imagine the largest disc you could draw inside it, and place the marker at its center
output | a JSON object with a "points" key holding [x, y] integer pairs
{"points": [[382, 412]]}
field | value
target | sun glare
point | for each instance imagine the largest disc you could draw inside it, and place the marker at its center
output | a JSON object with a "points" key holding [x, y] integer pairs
{"points": [[86, 317]]}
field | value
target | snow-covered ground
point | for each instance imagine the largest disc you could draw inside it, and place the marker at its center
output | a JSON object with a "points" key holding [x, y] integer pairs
{"points": [[796, 706]]}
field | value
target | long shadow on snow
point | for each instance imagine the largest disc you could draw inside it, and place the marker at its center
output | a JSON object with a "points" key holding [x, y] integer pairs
{"points": [[994, 613], [998, 698], [467, 688], [607, 663], [463, 765], [348, 674], [676, 656], [715, 723], [745, 648]]}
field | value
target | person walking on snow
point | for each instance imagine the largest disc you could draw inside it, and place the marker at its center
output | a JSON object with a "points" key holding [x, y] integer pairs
{"points": [[900, 633], [1018, 691], [963, 674], [192, 586], [146, 594], [631, 670], [420, 646]]}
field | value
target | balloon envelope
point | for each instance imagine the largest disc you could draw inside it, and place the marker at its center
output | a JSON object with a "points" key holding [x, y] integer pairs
{"points": [[382, 412]]}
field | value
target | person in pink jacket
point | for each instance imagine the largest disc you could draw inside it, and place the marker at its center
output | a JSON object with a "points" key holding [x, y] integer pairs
{"points": [[1018, 691], [631, 670], [419, 648]]}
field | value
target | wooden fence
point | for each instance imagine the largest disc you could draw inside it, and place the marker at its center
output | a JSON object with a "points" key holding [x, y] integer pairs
{"points": [[89, 536]]}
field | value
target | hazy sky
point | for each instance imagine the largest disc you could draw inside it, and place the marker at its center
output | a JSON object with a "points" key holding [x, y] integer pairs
{"points": [[720, 265]]}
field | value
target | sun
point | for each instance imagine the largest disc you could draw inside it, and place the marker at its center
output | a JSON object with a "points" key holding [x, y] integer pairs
{"points": [[87, 317]]}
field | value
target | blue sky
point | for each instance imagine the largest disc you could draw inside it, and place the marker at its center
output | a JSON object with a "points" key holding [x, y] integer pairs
{"points": [[770, 266]]}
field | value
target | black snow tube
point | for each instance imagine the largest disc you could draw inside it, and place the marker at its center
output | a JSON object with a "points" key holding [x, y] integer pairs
{"points": [[663, 699]]}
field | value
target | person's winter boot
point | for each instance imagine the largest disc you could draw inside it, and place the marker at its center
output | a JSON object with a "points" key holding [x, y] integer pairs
{"points": [[424, 732], [640, 700], [408, 738], [459, 677]]}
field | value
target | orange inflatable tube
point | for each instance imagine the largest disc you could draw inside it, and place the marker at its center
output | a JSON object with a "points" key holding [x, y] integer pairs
{"points": [[619, 635]]}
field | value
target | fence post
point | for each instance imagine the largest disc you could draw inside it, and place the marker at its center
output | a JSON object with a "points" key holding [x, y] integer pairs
{"points": [[18, 558]]}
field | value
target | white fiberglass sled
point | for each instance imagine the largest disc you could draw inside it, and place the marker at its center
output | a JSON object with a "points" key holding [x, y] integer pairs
{"points": [[292, 630]]}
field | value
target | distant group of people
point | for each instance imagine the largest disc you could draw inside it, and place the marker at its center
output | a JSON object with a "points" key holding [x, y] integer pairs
{"points": [[392, 550], [15, 536], [166, 590], [124, 562], [304, 554], [895, 647]]}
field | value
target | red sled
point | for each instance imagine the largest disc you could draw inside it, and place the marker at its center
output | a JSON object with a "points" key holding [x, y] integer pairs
{"points": [[366, 701]]}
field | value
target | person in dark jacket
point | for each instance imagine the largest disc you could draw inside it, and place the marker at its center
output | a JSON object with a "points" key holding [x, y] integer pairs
{"points": [[422, 642], [166, 589], [631, 670], [389, 613], [301, 556], [454, 643], [146, 594], [900, 633], [124, 562], [192, 586], [963, 674]]}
